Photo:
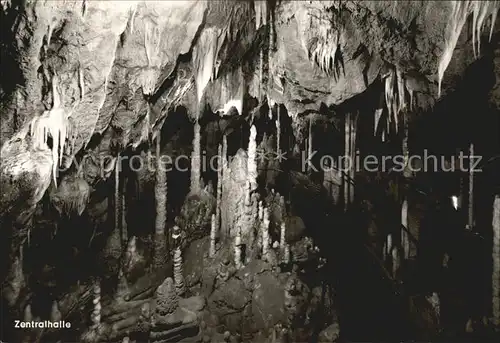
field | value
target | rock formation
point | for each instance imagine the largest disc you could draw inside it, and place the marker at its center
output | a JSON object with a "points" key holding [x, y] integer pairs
{"points": [[91, 90]]}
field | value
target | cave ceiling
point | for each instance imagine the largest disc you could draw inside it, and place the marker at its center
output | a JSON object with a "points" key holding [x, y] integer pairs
{"points": [[123, 64]]}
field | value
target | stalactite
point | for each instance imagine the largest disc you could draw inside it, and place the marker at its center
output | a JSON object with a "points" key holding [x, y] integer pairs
{"points": [[118, 197], [55, 313], [270, 78], [459, 15], [204, 57], [395, 95], [54, 123], [460, 11], [81, 82], [252, 159], [237, 248], [470, 221], [265, 234], [180, 287], [96, 301], [213, 234], [152, 46], [160, 237], [496, 262], [261, 9], [405, 242], [196, 160]]}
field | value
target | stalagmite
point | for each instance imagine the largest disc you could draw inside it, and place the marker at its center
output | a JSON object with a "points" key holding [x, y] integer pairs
{"points": [[389, 244], [225, 184], [131, 257], [436, 305], [122, 289], [15, 282], [407, 169], [396, 261], [309, 146], [405, 242], [496, 262], [218, 205], [283, 240], [160, 237], [278, 132], [286, 254], [178, 276], [55, 314], [261, 74], [213, 233], [96, 301], [180, 286], [166, 298], [28, 315], [261, 211], [123, 211], [118, 197], [378, 115], [352, 164], [265, 234], [252, 158], [385, 252], [347, 154], [196, 160], [237, 249], [472, 159]]}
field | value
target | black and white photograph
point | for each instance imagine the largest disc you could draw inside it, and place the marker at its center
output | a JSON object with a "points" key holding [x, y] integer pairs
{"points": [[249, 171]]}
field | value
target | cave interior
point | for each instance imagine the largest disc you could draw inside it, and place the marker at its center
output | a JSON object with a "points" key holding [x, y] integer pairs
{"points": [[193, 171]]}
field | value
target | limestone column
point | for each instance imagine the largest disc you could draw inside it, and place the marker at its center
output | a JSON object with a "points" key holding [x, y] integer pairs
{"points": [[496, 263], [213, 232], [160, 238], [196, 160], [470, 221]]}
